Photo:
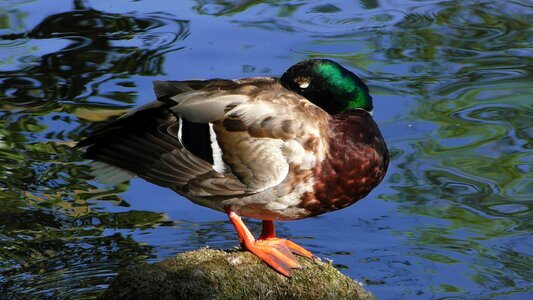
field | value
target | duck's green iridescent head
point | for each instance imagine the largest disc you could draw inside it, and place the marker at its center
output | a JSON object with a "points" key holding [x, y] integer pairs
{"points": [[328, 85]]}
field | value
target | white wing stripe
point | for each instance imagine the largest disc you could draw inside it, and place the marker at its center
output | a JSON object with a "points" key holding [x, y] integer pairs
{"points": [[218, 163], [180, 129]]}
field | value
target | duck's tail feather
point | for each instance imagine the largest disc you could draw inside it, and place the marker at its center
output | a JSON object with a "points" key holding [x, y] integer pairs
{"points": [[145, 143]]}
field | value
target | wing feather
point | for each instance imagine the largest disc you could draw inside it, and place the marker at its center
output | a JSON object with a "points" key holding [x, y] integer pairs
{"points": [[201, 109]]}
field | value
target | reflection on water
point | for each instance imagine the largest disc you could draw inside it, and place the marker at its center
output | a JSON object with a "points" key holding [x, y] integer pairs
{"points": [[452, 83]]}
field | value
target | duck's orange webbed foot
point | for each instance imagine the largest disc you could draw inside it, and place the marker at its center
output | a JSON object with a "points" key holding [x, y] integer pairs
{"points": [[276, 252]]}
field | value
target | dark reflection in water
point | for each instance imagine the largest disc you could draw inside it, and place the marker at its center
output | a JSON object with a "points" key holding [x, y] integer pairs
{"points": [[452, 83]]}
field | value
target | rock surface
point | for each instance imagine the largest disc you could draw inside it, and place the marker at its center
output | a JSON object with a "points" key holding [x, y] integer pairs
{"points": [[217, 274]]}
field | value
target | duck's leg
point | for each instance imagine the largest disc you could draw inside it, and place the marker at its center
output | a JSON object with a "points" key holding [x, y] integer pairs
{"points": [[274, 251]]}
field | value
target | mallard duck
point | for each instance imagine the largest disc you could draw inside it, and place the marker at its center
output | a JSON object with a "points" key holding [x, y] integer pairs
{"points": [[265, 148]]}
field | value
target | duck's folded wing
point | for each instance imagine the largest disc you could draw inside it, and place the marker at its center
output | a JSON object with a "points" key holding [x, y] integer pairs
{"points": [[255, 127], [232, 110], [207, 142]]}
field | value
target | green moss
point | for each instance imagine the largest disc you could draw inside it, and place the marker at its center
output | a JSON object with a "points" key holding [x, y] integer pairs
{"points": [[216, 274]]}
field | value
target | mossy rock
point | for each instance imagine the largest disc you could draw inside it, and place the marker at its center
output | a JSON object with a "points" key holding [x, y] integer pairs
{"points": [[216, 274]]}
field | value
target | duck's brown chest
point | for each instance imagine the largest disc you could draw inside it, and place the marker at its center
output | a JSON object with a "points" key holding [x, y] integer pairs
{"points": [[356, 163]]}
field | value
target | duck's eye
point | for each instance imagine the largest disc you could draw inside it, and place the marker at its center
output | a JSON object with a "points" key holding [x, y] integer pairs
{"points": [[302, 82]]}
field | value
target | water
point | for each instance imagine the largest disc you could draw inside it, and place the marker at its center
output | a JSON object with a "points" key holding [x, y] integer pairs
{"points": [[452, 83]]}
